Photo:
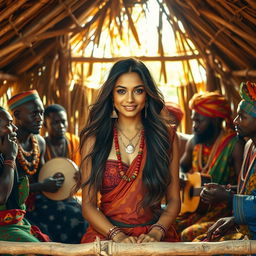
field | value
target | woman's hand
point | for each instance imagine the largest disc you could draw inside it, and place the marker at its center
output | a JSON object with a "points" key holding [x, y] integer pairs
{"points": [[154, 235], [123, 238], [221, 227]]}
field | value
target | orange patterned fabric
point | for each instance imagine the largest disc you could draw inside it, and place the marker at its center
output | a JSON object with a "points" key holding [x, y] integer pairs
{"points": [[211, 104], [121, 203]]}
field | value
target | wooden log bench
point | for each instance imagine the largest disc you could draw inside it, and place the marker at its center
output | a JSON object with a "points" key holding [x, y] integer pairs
{"points": [[107, 248]]}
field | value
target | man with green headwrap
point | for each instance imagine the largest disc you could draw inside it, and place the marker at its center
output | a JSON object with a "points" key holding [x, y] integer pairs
{"points": [[243, 221]]}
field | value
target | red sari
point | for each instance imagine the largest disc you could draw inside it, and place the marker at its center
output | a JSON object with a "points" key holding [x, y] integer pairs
{"points": [[120, 203]]}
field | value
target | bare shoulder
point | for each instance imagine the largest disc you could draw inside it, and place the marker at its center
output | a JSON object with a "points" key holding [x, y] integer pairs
{"points": [[40, 140]]}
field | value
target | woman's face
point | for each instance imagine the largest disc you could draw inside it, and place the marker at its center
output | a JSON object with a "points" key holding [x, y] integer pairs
{"points": [[129, 95]]}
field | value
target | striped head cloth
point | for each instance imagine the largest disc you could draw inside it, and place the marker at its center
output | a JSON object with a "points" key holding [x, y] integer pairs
{"points": [[248, 95], [174, 109], [211, 104], [22, 98]]}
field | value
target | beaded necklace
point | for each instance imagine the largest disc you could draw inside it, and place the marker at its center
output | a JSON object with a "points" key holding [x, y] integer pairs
{"points": [[30, 167], [205, 168], [246, 169], [119, 159]]}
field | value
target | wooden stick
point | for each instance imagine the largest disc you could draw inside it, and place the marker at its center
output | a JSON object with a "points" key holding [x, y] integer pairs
{"points": [[250, 37], [143, 58], [8, 77], [22, 18], [115, 249], [11, 9], [244, 73]]}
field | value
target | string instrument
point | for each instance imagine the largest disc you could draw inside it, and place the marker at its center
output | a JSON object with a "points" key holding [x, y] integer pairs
{"points": [[67, 169], [190, 195]]}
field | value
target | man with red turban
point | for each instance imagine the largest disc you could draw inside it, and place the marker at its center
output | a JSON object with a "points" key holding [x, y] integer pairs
{"points": [[214, 151]]}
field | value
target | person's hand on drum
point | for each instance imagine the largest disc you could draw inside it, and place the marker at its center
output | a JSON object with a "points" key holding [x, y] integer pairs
{"points": [[54, 183]]}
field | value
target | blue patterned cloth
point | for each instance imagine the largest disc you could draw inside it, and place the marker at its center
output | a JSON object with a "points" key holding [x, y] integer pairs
{"points": [[62, 220]]}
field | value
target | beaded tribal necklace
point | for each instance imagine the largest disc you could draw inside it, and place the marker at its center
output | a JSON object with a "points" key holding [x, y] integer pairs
{"points": [[119, 159], [30, 167]]}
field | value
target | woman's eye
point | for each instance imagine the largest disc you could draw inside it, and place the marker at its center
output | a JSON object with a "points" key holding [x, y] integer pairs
{"points": [[139, 91], [121, 91]]}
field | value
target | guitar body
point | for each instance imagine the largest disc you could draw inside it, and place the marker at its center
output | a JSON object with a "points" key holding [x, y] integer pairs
{"points": [[190, 196]]}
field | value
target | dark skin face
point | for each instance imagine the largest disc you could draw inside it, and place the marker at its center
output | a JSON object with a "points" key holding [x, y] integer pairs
{"points": [[203, 127], [245, 124], [7, 135], [6, 124], [56, 124], [29, 116]]}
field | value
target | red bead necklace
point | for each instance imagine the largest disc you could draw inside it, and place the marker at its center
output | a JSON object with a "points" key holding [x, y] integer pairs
{"points": [[35, 154], [138, 161]]}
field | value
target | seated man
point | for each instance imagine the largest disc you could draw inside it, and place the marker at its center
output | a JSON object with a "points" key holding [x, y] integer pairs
{"points": [[243, 221], [61, 220], [215, 151], [13, 189], [59, 142], [174, 116]]}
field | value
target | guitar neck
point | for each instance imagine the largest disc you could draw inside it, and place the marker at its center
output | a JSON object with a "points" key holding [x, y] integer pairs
{"points": [[197, 191]]}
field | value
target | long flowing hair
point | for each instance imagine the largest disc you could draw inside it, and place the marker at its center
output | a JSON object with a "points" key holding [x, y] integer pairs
{"points": [[156, 176]]}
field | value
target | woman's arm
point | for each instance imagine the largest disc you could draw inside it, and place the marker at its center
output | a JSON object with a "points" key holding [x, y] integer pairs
{"points": [[89, 201], [173, 199]]}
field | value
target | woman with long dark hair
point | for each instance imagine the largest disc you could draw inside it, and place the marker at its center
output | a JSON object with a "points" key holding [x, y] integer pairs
{"points": [[130, 159]]}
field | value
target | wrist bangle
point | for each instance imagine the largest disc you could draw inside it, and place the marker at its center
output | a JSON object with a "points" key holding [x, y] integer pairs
{"points": [[10, 163], [160, 227], [113, 232]]}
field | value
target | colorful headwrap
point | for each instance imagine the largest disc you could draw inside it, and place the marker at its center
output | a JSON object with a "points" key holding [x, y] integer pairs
{"points": [[22, 98], [175, 110], [248, 95], [211, 104]]}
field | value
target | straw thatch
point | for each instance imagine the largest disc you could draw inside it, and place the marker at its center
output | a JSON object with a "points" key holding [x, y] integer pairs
{"points": [[35, 41]]}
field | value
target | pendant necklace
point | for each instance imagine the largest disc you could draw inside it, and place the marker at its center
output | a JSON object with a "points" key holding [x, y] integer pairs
{"points": [[130, 148]]}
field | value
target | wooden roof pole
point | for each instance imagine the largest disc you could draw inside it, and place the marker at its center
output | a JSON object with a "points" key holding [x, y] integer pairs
{"points": [[8, 77], [244, 73], [11, 9], [23, 17], [143, 58]]}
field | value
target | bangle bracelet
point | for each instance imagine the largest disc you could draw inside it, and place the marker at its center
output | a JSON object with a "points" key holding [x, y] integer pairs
{"points": [[160, 227], [11, 163], [113, 232]]}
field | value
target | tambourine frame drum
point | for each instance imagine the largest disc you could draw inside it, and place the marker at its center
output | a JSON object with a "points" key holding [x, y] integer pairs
{"points": [[59, 165]]}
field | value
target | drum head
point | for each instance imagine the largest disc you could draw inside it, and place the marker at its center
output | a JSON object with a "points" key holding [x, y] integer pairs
{"points": [[64, 166]]}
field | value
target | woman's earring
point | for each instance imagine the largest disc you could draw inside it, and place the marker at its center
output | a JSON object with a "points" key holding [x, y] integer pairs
{"points": [[146, 109], [114, 114]]}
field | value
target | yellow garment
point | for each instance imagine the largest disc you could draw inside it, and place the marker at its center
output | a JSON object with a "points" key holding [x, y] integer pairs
{"points": [[73, 148]]}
